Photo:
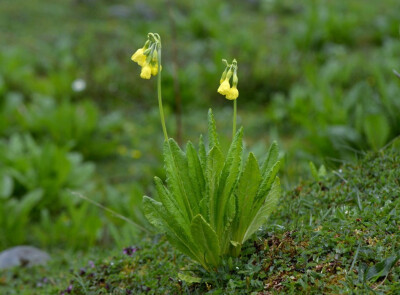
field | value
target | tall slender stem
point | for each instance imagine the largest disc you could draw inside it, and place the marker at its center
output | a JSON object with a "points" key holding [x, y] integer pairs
{"points": [[160, 106], [175, 75], [234, 119]]}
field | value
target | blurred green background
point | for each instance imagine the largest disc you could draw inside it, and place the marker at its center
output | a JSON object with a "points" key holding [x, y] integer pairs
{"points": [[75, 116]]}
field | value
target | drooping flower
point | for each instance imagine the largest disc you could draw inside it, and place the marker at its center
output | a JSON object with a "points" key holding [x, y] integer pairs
{"points": [[147, 56], [224, 87], [233, 93], [146, 72], [154, 69], [139, 57]]}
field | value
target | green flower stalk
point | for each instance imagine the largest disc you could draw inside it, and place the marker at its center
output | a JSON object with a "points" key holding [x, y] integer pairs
{"points": [[149, 58], [231, 93]]}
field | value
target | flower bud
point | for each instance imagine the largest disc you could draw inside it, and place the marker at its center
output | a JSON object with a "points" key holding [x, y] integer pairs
{"points": [[235, 79], [223, 75]]}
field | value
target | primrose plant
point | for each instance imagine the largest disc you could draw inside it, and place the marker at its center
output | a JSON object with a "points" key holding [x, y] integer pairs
{"points": [[212, 201]]}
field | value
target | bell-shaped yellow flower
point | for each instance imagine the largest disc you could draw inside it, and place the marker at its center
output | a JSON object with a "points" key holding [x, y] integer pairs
{"points": [[146, 72], [154, 69], [139, 57], [233, 93], [224, 87], [137, 54]]}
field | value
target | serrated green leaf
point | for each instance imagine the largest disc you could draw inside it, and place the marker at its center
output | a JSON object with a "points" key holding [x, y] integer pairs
{"points": [[178, 178], [271, 159], [187, 248], [171, 206], [228, 226], [263, 213], [196, 174], [206, 239], [267, 181], [202, 153], [159, 217], [154, 212], [215, 163], [212, 132], [229, 177], [249, 183]]}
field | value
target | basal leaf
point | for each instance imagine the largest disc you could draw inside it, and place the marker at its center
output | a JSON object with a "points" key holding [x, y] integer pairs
{"points": [[229, 177], [202, 153], [271, 159], [196, 174], [249, 183], [215, 163], [187, 248], [206, 239], [154, 212], [229, 218], [159, 217], [212, 132], [178, 177], [263, 213], [268, 179], [171, 205]]}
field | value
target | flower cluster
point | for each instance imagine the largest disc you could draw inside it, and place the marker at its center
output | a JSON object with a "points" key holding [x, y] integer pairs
{"points": [[149, 56], [225, 88]]}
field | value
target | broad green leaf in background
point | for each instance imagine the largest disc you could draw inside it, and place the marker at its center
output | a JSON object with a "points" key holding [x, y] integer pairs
{"points": [[6, 186], [377, 130]]}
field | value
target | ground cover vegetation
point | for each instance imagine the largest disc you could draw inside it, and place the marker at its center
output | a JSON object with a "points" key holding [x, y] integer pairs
{"points": [[336, 235], [75, 123]]}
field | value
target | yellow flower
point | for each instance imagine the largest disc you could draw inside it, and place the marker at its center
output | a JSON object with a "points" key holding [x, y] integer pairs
{"points": [[224, 87], [154, 70], [233, 93], [137, 54], [146, 72], [139, 57]]}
